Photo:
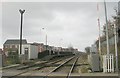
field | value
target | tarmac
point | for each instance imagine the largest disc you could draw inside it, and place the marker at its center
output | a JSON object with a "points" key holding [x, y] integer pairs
{"points": [[33, 74], [63, 75]]}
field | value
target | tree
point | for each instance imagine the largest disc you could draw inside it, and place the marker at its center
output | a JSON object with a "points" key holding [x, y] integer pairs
{"points": [[110, 29]]}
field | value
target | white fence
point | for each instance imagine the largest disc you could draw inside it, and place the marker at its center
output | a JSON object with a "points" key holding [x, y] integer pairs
{"points": [[108, 63]]}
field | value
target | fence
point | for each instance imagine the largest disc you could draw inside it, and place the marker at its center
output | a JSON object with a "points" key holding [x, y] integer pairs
{"points": [[108, 63]]}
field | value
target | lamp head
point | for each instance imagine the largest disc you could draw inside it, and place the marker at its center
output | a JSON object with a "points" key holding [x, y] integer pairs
{"points": [[21, 11]]}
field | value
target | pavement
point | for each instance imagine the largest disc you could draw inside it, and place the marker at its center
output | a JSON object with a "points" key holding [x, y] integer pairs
{"points": [[63, 75], [37, 73], [6, 73]]}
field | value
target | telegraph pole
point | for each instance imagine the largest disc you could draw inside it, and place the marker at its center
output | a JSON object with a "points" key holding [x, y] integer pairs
{"points": [[116, 38], [107, 38], [21, 12], [99, 49], [116, 51], [98, 20]]}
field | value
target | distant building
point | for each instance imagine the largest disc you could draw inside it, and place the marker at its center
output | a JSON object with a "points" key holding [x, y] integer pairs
{"points": [[64, 49], [50, 48], [57, 49], [41, 47], [30, 51], [12, 45]]}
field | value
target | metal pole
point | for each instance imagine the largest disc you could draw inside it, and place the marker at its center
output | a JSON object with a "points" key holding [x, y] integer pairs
{"points": [[100, 63], [99, 29], [116, 51], [21, 12], [99, 38], [46, 41], [116, 38], [45, 37], [107, 39]]}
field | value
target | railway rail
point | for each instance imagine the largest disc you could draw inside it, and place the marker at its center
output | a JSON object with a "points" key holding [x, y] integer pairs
{"points": [[33, 66], [35, 69], [74, 59], [56, 68], [43, 63], [71, 70]]}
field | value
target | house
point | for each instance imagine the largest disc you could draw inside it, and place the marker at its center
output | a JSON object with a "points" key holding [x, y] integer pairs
{"points": [[12, 45], [29, 50]]}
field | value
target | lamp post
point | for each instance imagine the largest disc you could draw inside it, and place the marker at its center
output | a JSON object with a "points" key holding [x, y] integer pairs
{"points": [[45, 38], [21, 12]]}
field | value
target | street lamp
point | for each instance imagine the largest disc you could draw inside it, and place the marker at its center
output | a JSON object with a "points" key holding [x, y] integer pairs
{"points": [[21, 12], [45, 37]]}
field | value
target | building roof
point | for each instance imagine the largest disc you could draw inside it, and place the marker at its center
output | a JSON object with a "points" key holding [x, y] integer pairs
{"points": [[37, 43], [15, 41]]}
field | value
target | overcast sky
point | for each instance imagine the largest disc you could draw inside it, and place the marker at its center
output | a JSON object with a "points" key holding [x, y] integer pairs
{"points": [[65, 23]]}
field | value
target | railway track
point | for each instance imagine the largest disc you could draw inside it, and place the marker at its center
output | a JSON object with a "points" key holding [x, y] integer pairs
{"points": [[34, 68], [72, 60], [72, 68], [43, 63], [52, 73], [48, 63]]}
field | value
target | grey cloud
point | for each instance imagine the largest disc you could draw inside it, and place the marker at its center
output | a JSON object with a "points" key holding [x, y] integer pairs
{"points": [[74, 22]]}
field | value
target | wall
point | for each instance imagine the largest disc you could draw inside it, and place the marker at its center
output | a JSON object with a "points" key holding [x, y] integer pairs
{"points": [[111, 41], [33, 52], [94, 62], [24, 46], [111, 46]]}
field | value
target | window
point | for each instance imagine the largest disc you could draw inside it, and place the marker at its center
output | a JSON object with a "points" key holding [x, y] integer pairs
{"points": [[26, 50]]}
